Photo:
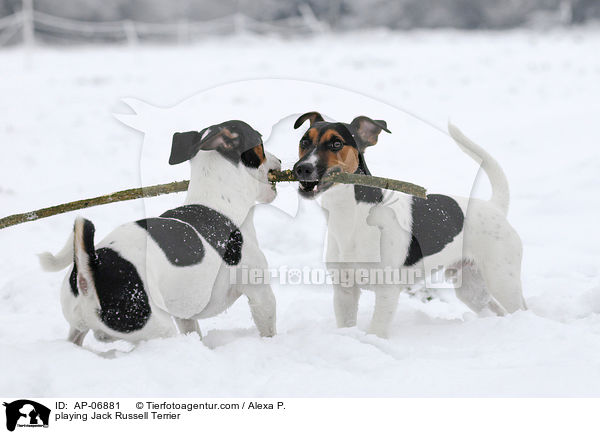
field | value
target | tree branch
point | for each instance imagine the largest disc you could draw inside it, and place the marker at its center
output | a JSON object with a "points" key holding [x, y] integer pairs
{"points": [[174, 187], [133, 193], [353, 178]]}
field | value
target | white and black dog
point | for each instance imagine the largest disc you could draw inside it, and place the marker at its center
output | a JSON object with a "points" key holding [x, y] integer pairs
{"points": [[468, 234], [144, 273]]}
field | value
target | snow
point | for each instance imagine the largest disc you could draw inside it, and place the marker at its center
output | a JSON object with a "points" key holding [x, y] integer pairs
{"points": [[530, 98]]}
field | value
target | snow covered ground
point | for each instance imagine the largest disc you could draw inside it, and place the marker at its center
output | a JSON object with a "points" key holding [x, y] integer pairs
{"points": [[532, 99]]}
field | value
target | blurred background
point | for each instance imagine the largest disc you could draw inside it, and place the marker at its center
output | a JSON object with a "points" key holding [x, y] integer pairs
{"points": [[66, 21], [518, 76]]}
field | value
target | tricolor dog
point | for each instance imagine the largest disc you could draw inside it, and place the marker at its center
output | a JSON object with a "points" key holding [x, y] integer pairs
{"points": [[467, 234], [143, 274]]}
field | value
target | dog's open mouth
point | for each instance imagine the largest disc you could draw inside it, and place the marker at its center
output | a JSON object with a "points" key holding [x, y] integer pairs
{"points": [[310, 189], [308, 185]]}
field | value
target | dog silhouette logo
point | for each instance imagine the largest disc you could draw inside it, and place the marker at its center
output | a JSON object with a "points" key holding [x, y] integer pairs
{"points": [[26, 413]]}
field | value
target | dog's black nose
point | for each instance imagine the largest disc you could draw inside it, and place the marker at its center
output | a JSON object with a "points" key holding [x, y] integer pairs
{"points": [[304, 171]]}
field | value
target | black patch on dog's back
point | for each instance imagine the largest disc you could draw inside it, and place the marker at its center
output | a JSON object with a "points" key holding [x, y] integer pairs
{"points": [[124, 305], [178, 240], [436, 221], [177, 234], [220, 232], [363, 193]]}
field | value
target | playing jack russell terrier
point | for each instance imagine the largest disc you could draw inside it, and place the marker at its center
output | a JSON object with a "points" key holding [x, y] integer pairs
{"points": [[144, 273], [468, 234]]}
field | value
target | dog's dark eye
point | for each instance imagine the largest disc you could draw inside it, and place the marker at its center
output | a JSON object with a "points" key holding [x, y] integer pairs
{"points": [[336, 146], [305, 143]]}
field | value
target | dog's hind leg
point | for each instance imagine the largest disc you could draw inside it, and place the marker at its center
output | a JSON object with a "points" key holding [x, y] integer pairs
{"points": [[345, 304], [386, 304], [472, 290], [497, 251], [263, 307], [76, 336], [187, 326], [505, 287], [501, 270]]}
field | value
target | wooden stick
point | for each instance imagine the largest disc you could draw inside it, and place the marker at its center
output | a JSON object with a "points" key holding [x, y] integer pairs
{"points": [[133, 193], [174, 187], [353, 178]]}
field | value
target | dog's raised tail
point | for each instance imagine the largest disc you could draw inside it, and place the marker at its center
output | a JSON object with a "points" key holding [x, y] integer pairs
{"points": [[62, 259], [500, 189], [79, 248]]}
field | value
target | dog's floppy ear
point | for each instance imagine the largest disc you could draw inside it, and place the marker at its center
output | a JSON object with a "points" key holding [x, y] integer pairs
{"points": [[186, 145], [368, 130], [312, 116]]}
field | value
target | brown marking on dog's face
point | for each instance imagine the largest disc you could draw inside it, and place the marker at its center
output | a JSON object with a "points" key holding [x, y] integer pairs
{"points": [[324, 147], [335, 150], [259, 150], [346, 159], [330, 146], [309, 140], [330, 134]]}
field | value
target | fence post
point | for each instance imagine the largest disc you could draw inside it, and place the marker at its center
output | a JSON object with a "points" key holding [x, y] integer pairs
{"points": [[130, 33], [566, 12], [239, 23], [310, 19], [28, 23], [183, 32]]}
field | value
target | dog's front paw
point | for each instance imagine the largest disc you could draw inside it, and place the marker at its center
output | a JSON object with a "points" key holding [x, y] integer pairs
{"points": [[268, 333], [383, 334]]}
